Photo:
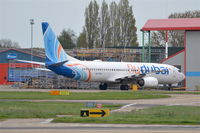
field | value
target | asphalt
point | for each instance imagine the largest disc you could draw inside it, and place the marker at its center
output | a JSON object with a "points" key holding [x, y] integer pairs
{"points": [[44, 125], [175, 99]]}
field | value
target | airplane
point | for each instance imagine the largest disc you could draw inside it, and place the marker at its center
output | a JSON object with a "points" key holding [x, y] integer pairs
{"points": [[123, 73]]}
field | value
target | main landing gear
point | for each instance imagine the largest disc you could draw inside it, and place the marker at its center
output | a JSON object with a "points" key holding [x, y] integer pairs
{"points": [[124, 87], [103, 86]]}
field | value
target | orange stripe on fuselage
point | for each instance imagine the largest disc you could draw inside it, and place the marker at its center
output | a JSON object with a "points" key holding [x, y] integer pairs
{"points": [[89, 77], [59, 50], [76, 64]]}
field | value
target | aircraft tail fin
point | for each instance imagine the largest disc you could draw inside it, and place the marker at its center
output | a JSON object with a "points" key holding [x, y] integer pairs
{"points": [[53, 49]]}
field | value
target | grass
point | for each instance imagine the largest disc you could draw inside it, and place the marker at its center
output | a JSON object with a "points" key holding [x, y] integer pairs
{"points": [[184, 115], [129, 95], [41, 109], [179, 92]]}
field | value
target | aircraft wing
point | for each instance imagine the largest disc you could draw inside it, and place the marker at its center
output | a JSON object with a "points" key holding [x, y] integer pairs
{"points": [[130, 78], [133, 77]]}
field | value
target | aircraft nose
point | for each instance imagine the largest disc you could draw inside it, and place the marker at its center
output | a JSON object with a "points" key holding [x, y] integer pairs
{"points": [[182, 76]]}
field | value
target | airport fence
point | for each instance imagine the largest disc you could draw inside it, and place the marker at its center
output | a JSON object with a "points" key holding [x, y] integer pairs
{"points": [[34, 78]]}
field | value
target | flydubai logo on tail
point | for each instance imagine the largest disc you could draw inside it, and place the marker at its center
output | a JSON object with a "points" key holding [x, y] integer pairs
{"points": [[147, 69], [53, 49], [59, 50]]}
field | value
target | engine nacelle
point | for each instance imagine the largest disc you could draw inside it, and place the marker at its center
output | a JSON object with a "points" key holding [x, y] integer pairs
{"points": [[148, 82]]}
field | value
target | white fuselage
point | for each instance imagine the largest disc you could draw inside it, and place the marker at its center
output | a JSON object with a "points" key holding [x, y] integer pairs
{"points": [[110, 71]]}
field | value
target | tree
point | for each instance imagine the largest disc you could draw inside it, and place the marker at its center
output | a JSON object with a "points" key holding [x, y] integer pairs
{"points": [[127, 27], [114, 24], [91, 24], [157, 38], [187, 14], [67, 39], [81, 41], [8, 43], [104, 25], [131, 30], [176, 38]]}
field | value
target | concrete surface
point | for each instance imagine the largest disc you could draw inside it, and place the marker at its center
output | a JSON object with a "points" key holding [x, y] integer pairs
{"points": [[175, 99], [40, 125]]}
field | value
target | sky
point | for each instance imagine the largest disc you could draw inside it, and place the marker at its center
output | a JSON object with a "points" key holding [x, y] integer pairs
{"points": [[15, 16]]}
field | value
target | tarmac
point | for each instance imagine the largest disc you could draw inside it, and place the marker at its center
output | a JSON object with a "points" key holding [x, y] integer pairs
{"points": [[175, 99], [44, 126]]}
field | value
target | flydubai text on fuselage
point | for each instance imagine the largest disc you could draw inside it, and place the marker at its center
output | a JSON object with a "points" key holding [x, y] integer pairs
{"points": [[109, 71], [61, 63]]}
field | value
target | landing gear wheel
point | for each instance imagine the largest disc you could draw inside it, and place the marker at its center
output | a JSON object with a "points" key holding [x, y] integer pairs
{"points": [[169, 87], [103, 86], [141, 82], [124, 87]]}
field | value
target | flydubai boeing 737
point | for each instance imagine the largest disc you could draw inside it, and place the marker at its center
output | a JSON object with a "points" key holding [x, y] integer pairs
{"points": [[143, 74]]}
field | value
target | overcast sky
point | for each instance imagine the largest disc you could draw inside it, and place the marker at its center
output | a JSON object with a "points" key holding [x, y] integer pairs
{"points": [[15, 15]]}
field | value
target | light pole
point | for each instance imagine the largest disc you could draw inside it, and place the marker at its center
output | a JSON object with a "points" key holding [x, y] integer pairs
{"points": [[31, 22]]}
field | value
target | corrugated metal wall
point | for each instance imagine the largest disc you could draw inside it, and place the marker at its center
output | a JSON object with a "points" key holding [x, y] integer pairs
{"points": [[192, 59]]}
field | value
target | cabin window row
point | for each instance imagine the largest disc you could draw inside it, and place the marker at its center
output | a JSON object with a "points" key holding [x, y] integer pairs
{"points": [[107, 69]]}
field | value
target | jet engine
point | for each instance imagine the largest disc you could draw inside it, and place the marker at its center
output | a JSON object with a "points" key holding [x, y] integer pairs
{"points": [[148, 82]]}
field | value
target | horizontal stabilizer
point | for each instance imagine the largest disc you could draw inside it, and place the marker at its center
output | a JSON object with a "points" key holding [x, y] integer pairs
{"points": [[43, 69], [59, 63], [32, 62]]}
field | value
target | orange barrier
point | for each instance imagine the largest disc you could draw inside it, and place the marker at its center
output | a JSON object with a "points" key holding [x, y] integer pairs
{"points": [[59, 93]]}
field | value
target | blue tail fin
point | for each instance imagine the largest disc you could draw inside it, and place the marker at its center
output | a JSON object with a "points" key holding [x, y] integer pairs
{"points": [[53, 49]]}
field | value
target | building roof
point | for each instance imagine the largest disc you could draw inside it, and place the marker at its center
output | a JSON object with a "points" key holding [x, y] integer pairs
{"points": [[172, 24], [26, 51]]}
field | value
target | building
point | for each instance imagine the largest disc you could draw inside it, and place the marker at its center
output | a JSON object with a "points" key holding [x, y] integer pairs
{"points": [[187, 59], [13, 71], [28, 75]]}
